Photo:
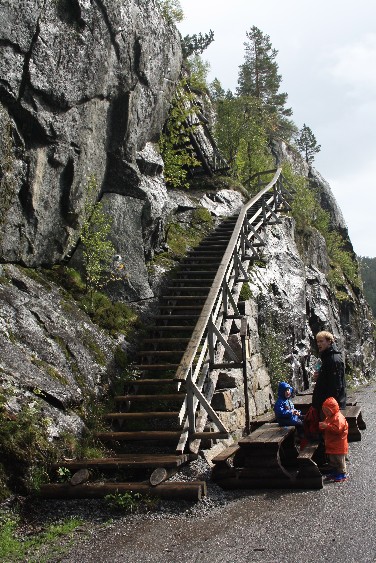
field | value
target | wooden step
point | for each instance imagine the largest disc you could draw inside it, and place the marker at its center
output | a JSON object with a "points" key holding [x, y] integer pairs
{"points": [[157, 367], [181, 307], [160, 353], [160, 435], [140, 415], [125, 461], [174, 317], [201, 298], [199, 252], [172, 328], [164, 340], [159, 397], [186, 490], [188, 287], [153, 381]]}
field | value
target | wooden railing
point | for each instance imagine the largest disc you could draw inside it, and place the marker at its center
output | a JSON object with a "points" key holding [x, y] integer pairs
{"points": [[208, 345]]}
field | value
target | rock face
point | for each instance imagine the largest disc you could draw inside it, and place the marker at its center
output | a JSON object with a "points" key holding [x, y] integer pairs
{"points": [[83, 87], [51, 352], [295, 301]]}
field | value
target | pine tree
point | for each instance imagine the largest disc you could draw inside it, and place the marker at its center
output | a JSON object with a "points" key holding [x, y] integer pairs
{"points": [[258, 75], [307, 144]]}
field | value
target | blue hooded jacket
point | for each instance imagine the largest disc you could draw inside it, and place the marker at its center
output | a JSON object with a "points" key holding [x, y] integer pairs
{"points": [[283, 407]]}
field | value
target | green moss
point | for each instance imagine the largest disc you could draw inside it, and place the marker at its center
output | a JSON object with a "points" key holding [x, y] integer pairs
{"points": [[36, 275], [245, 292], [181, 237], [116, 318], [120, 357], [50, 370]]}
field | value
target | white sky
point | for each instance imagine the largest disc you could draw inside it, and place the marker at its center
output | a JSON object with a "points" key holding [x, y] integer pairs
{"points": [[327, 59]]}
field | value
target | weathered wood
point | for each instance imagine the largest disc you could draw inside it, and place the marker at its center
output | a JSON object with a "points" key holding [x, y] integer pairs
{"points": [[353, 416], [267, 434], [140, 415], [193, 490], [149, 398], [226, 454], [140, 435], [210, 435], [307, 467], [308, 451], [125, 461]]}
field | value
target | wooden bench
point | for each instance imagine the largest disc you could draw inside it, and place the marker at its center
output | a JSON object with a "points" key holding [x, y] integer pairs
{"points": [[353, 415], [266, 458]]}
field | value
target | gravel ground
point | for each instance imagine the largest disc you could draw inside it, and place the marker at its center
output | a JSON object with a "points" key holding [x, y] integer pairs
{"points": [[335, 523]]}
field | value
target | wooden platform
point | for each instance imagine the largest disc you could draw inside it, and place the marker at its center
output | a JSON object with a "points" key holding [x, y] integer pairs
{"points": [[267, 458]]}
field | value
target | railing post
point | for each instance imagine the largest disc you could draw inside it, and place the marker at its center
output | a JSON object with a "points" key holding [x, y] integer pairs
{"points": [[243, 335], [210, 340], [190, 404]]}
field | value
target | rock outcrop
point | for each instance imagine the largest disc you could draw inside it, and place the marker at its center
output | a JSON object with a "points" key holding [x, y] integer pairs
{"points": [[83, 87]]}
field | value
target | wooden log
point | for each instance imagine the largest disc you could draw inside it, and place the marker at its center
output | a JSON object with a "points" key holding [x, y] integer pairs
{"points": [[125, 461], [140, 435], [193, 490]]}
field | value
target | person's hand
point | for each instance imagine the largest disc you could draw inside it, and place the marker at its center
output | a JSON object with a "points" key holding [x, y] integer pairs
{"points": [[315, 375], [322, 425]]}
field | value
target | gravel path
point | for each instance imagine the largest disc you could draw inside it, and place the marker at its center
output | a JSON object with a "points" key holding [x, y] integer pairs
{"points": [[336, 523]]}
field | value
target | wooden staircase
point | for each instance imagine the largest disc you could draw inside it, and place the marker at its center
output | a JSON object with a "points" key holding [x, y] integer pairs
{"points": [[151, 427]]}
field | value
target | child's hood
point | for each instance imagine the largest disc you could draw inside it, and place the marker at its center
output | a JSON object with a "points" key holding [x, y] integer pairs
{"points": [[282, 388], [331, 404]]}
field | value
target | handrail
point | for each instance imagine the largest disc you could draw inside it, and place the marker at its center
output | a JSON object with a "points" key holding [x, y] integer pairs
{"points": [[215, 309], [201, 325]]}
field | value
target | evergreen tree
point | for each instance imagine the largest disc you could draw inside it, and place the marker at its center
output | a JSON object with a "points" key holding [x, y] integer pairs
{"points": [[196, 44], [307, 144], [258, 75], [241, 132]]}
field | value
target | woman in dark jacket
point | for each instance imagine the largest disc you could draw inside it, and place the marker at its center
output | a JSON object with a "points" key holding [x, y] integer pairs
{"points": [[330, 379]]}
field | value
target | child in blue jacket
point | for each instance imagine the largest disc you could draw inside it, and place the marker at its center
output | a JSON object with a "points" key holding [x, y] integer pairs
{"points": [[285, 412]]}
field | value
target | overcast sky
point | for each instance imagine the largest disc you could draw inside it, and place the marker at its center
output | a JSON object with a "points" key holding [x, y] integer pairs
{"points": [[327, 58]]}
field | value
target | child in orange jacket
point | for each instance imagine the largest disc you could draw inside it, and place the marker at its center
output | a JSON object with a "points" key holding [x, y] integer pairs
{"points": [[335, 429]]}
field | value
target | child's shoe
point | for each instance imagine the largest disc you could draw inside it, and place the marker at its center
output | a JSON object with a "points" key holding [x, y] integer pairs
{"points": [[330, 477], [340, 477]]}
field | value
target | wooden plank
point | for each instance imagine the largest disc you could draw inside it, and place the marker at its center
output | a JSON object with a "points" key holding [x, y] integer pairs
{"points": [[308, 451], [149, 398], [140, 435], [125, 461], [186, 490], [226, 453], [210, 435], [267, 433], [140, 415], [351, 411]]}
